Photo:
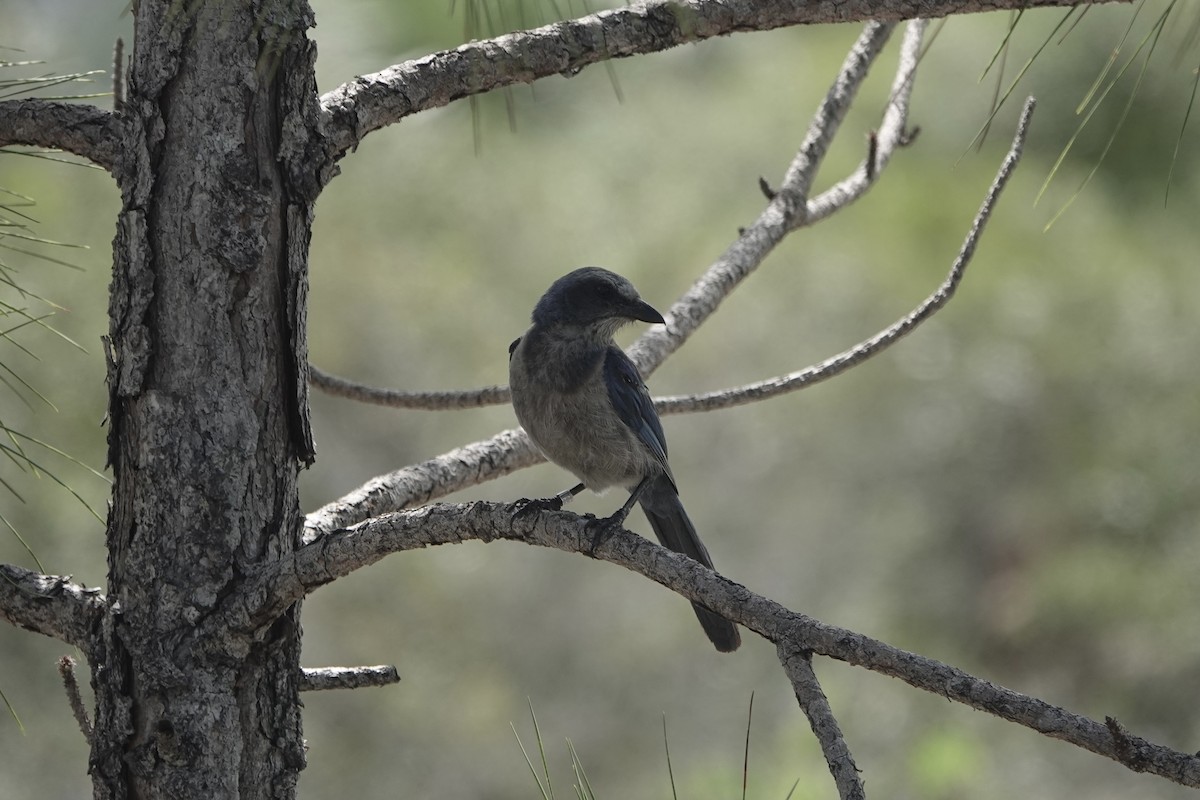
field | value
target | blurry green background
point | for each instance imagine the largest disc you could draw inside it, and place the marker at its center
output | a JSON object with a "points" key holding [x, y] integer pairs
{"points": [[1013, 489]]}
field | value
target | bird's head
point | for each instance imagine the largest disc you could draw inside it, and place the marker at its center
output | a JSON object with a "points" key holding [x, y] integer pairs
{"points": [[593, 299]]}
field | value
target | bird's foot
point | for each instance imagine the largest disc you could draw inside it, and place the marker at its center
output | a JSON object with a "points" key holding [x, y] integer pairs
{"points": [[526, 507], [603, 530]]}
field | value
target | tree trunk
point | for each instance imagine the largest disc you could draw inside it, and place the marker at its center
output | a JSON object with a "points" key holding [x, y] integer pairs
{"points": [[208, 406]]}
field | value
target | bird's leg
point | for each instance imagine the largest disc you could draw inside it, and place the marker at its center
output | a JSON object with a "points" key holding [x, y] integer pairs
{"points": [[554, 503], [606, 527], [568, 495]]}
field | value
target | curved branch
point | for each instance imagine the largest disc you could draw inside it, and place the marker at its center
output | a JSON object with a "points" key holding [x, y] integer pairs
{"points": [[395, 398], [84, 130], [798, 666], [370, 102], [50, 605], [885, 338], [465, 466], [759, 390], [340, 553]]}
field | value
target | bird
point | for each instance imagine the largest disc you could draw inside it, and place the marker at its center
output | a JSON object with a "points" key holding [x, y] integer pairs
{"points": [[586, 408]]}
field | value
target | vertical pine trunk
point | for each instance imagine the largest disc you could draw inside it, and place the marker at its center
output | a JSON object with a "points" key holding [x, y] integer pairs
{"points": [[208, 408]]}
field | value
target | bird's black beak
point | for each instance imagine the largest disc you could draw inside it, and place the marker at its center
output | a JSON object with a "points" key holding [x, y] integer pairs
{"points": [[645, 312]]}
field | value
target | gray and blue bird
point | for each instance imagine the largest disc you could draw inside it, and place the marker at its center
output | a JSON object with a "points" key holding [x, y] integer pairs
{"points": [[583, 403]]}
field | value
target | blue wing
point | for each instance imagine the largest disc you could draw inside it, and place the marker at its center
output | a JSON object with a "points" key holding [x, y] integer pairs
{"points": [[631, 400]]}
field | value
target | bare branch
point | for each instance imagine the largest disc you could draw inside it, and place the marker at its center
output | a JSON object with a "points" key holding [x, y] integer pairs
{"points": [[788, 208], [118, 75], [339, 553], [84, 130], [66, 669], [885, 338], [798, 666], [323, 678], [50, 605], [371, 102], [893, 133], [395, 398], [465, 466]]}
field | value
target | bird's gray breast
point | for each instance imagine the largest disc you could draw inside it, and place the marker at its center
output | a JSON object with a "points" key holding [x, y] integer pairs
{"points": [[561, 401]]}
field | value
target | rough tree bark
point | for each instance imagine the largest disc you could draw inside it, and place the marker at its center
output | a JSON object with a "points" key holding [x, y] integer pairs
{"points": [[208, 418]]}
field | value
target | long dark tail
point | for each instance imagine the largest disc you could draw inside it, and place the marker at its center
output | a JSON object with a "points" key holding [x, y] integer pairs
{"points": [[661, 503]]}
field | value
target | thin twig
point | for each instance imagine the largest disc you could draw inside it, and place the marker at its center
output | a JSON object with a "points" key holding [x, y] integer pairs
{"points": [[323, 678], [893, 132], [66, 669], [118, 76], [843, 361], [395, 398], [798, 665]]}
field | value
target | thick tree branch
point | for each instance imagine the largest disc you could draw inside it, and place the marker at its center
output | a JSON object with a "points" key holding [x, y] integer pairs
{"points": [[371, 102], [342, 552], [84, 130], [50, 605], [797, 664], [324, 678]]}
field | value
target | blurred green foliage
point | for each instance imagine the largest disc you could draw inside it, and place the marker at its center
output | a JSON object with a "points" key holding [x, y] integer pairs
{"points": [[1012, 490]]}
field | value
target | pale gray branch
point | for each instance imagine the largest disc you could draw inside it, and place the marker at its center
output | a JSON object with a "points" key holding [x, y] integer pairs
{"points": [[50, 605], [84, 130], [843, 361], [786, 211], [323, 678], [395, 398], [893, 133], [465, 466], [797, 663], [340, 553], [370, 102]]}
